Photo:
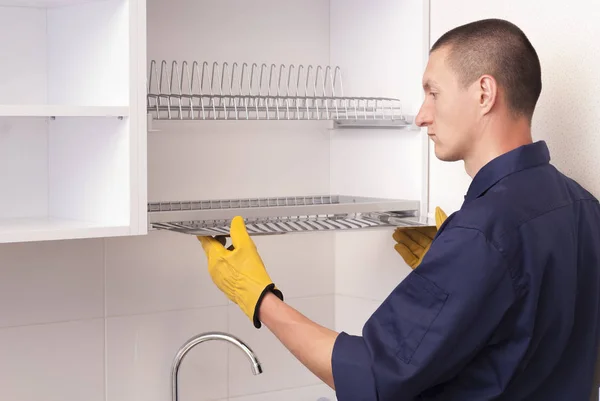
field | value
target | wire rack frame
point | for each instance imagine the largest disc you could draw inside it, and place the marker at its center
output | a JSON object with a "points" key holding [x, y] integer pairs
{"points": [[278, 215], [221, 204], [279, 225], [249, 92]]}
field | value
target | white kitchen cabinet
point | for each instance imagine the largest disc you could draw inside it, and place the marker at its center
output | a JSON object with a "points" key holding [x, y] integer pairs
{"points": [[296, 115], [72, 119]]}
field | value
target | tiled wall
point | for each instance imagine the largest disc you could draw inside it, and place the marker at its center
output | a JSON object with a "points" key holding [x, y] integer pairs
{"points": [[100, 320], [367, 269]]}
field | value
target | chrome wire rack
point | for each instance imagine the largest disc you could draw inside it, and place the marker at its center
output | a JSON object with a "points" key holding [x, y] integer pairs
{"points": [[269, 226], [265, 216], [249, 92]]}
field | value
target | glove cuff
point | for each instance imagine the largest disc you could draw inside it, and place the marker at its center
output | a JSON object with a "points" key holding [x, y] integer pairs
{"points": [[270, 288]]}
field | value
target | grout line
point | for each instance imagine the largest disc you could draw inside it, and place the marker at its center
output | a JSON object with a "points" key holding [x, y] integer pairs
{"points": [[312, 296], [304, 386], [104, 257], [158, 312], [193, 308], [163, 311], [227, 325], [41, 324], [360, 298]]}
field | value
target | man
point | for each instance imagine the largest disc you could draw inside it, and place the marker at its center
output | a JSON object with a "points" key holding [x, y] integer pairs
{"points": [[505, 302]]}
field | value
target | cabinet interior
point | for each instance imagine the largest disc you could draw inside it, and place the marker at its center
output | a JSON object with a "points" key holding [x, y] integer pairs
{"points": [[64, 119], [275, 101], [246, 102]]}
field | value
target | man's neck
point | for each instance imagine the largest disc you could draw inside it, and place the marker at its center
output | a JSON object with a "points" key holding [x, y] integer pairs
{"points": [[498, 139]]}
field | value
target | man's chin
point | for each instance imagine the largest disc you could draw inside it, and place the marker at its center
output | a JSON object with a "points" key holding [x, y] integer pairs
{"points": [[445, 156]]}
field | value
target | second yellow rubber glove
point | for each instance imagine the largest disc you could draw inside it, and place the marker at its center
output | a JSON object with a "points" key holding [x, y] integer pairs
{"points": [[240, 272], [414, 242]]}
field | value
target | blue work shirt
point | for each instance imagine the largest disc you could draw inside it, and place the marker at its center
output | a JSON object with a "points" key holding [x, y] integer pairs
{"points": [[504, 306]]}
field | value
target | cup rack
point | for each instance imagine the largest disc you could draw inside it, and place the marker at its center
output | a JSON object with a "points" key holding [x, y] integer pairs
{"points": [[201, 92], [267, 216]]}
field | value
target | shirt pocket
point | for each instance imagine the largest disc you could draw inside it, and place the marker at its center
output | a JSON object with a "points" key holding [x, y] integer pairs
{"points": [[409, 312]]}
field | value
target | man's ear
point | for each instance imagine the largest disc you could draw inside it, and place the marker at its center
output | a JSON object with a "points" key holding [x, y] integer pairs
{"points": [[488, 93]]}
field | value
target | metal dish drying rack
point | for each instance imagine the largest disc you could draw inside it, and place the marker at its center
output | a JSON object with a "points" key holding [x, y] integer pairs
{"points": [[281, 215], [249, 92]]}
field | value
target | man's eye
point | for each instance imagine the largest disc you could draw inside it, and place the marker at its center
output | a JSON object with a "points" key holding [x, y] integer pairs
{"points": [[433, 94]]}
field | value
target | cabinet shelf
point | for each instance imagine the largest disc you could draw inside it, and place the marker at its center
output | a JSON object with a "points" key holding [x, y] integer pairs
{"points": [[43, 228], [42, 3], [251, 92], [72, 146], [62, 111], [280, 215]]}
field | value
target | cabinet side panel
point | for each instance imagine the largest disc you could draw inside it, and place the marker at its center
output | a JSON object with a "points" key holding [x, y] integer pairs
{"points": [[24, 167], [89, 170], [378, 45], [137, 119], [23, 55], [88, 54]]}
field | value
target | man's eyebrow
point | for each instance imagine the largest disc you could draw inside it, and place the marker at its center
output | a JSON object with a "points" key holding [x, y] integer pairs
{"points": [[428, 84]]}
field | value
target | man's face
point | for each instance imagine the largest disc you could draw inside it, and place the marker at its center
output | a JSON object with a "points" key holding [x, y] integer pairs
{"points": [[449, 111]]}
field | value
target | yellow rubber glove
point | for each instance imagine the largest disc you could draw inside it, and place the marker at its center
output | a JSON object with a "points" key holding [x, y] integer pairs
{"points": [[239, 272], [414, 242]]}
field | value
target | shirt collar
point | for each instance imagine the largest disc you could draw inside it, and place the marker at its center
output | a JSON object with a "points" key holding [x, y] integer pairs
{"points": [[521, 158]]}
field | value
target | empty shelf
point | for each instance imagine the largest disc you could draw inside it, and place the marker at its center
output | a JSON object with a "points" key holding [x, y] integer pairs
{"points": [[280, 92], [42, 3], [63, 111], [49, 228], [265, 216]]}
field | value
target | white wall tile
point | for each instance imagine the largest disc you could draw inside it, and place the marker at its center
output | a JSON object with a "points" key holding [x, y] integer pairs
{"points": [[44, 282], [141, 350], [158, 272], [320, 392], [53, 362], [300, 265], [367, 265], [352, 313], [281, 370]]}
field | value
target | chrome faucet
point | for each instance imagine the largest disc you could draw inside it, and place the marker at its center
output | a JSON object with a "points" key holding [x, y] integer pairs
{"points": [[200, 338]]}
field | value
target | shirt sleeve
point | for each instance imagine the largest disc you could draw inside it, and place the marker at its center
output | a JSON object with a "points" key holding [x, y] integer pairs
{"points": [[431, 324]]}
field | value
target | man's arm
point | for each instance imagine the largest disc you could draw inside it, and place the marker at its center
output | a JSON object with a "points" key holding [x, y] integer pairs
{"points": [[427, 329], [240, 273], [311, 343]]}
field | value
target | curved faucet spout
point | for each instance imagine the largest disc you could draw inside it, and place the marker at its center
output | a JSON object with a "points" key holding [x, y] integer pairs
{"points": [[200, 338]]}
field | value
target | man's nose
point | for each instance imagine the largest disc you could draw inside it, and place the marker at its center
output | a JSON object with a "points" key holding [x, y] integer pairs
{"points": [[424, 117]]}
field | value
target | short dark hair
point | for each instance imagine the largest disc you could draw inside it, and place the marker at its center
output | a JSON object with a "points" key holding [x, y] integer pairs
{"points": [[499, 48]]}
